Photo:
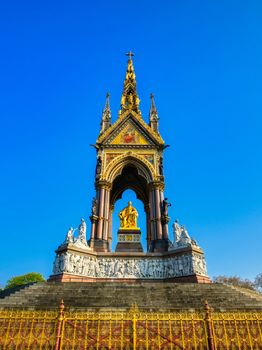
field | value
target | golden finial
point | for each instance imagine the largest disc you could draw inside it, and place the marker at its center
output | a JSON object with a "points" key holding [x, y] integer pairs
{"points": [[129, 99], [130, 54]]}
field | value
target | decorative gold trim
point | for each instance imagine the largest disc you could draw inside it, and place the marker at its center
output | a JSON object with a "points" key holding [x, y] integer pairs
{"points": [[118, 164], [126, 115], [157, 185]]}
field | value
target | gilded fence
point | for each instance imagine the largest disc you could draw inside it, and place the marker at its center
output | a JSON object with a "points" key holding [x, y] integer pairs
{"points": [[237, 331], [134, 329], [28, 329]]}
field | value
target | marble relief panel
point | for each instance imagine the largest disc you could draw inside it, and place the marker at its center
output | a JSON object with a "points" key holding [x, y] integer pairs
{"points": [[118, 267]]}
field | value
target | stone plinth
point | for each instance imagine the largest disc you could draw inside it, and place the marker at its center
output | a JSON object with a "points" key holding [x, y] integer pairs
{"points": [[181, 264], [129, 241]]}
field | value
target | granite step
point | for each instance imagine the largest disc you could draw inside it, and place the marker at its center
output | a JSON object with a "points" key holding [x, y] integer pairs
{"points": [[149, 295]]}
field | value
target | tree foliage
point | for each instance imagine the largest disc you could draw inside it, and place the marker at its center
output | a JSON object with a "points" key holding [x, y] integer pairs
{"points": [[258, 282], [235, 281], [24, 279]]}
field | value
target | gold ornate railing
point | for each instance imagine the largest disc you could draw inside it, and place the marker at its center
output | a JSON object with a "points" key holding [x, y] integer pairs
{"points": [[28, 329], [134, 329]]}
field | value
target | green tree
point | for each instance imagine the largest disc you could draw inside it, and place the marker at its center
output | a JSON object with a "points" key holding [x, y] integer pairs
{"points": [[258, 282], [235, 281], [24, 279]]}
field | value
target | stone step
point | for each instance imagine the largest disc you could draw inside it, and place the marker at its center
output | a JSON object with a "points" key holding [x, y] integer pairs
{"points": [[147, 295]]}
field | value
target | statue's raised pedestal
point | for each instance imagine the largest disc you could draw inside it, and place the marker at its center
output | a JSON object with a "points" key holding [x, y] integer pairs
{"points": [[129, 240]]}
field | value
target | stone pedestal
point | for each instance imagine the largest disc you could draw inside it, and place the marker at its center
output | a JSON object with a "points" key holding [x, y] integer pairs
{"points": [[129, 241], [183, 264], [99, 245], [159, 245]]}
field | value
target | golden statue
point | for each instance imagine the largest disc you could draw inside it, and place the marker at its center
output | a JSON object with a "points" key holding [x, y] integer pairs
{"points": [[123, 101], [128, 217]]}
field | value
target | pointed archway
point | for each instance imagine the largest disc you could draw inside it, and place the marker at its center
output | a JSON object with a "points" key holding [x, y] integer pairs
{"points": [[132, 180]]}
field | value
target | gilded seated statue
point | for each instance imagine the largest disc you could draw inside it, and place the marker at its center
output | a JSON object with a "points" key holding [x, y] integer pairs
{"points": [[128, 217]]}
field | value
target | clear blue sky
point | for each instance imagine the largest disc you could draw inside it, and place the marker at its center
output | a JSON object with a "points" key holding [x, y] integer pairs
{"points": [[202, 59]]}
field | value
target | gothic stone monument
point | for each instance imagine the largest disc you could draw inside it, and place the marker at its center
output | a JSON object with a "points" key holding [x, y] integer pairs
{"points": [[129, 156]]}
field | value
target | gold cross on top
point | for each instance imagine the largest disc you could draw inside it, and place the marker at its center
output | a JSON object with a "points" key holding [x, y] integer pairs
{"points": [[130, 54]]}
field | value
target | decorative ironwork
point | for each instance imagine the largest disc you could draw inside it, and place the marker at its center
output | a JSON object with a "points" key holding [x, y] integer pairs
{"points": [[134, 329], [27, 329], [237, 331]]}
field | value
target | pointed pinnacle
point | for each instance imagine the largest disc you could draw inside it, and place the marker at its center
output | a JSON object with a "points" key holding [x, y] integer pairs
{"points": [[153, 106], [107, 99], [153, 112], [106, 112]]}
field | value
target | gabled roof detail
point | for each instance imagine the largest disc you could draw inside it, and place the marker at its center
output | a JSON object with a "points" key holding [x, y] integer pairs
{"points": [[130, 119], [129, 134], [121, 132]]}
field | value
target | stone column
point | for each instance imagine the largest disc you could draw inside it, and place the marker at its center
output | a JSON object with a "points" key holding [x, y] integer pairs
{"points": [[148, 227], [158, 214], [152, 215], [159, 243], [161, 196], [100, 213], [106, 214], [93, 227], [109, 233], [165, 228]]}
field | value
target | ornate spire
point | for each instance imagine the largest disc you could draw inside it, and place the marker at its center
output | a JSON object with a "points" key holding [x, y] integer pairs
{"points": [[106, 116], [129, 98], [153, 116]]}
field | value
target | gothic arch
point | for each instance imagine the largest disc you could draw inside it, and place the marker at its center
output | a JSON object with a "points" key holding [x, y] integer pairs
{"points": [[130, 178], [115, 167]]}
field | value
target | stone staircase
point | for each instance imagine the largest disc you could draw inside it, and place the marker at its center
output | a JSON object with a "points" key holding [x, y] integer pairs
{"points": [[147, 295]]}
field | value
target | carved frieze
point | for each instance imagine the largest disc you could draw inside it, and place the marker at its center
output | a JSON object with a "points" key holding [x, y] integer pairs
{"points": [[130, 267]]}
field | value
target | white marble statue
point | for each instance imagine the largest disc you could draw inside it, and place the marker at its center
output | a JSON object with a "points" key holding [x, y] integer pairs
{"points": [[81, 240], [82, 231], [181, 237], [176, 231], [70, 236], [184, 237]]}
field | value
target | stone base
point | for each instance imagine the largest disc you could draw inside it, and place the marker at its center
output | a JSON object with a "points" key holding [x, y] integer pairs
{"points": [[129, 247], [99, 245], [159, 246], [184, 264], [129, 241], [74, 278]]}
